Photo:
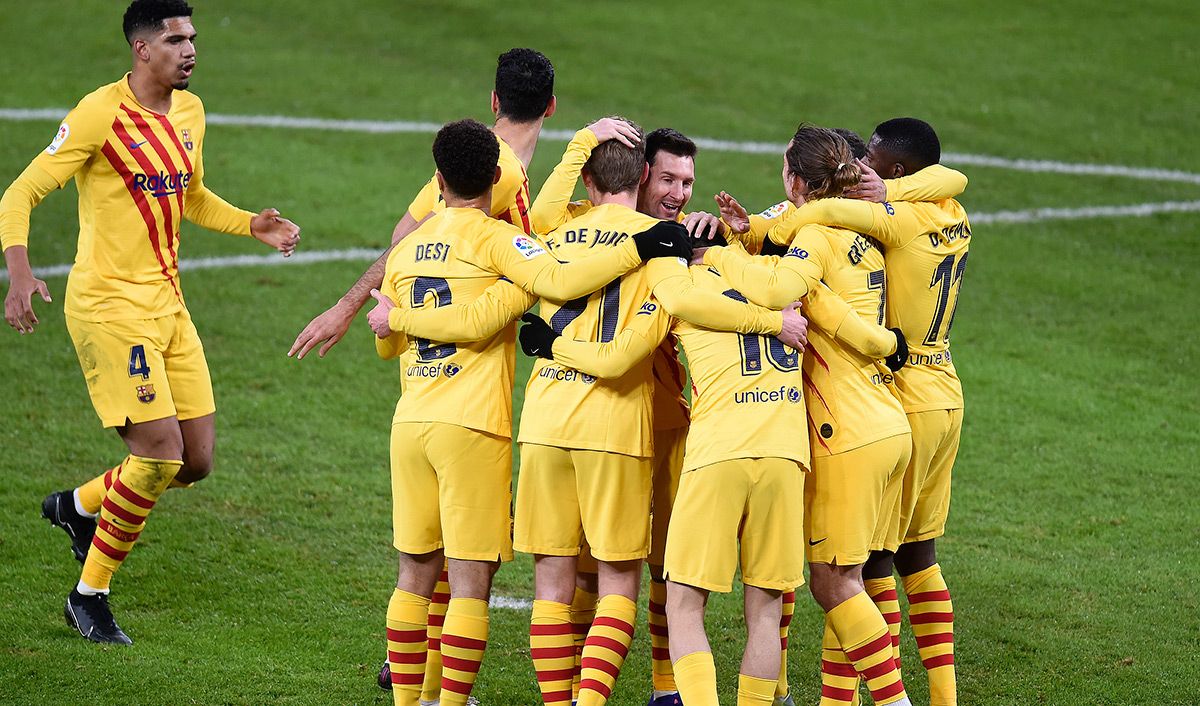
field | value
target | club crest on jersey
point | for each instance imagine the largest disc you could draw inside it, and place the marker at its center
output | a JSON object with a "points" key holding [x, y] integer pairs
{"points": [[797, 252], [451, 369], [528, 247], [187, 138], [64, 131], [145, 393], [776, 210]]}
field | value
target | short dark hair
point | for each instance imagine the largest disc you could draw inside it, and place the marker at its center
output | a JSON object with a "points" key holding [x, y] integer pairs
{"points": [[144, 15], [615, 168], [858, 148], [466, 153], [524, 84], [668, 140], [913, 142]]}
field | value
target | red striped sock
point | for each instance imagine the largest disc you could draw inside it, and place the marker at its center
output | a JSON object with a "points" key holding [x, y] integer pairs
{"points": [[839, 678], [864, 636], [464, 640], [883, 592], [931, 614], [407, 642], [606, 647], [662, 674], [785, 622], [583, 611], [553, 651], [431, 688]]}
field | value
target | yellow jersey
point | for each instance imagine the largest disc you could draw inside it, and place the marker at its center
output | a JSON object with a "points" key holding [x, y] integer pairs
{"points": [[570, 409], [510, 195], [927, 246], [848, 395], [469, 383], [139, 174]]}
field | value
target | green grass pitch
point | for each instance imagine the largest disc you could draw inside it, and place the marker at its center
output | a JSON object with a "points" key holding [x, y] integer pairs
{"points": [[1071, 550]]}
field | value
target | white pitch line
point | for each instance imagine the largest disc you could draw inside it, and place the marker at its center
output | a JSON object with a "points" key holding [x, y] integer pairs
{"points": [[743, 147], [1034, 215], [510, 603]]}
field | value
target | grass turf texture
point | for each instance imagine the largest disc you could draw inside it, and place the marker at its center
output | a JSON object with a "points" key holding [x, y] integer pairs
{"points": [[1073, 510]]}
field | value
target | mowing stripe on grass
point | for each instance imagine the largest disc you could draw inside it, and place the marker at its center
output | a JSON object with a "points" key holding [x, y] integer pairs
{"points": [[1033, 215], [744, 147]]}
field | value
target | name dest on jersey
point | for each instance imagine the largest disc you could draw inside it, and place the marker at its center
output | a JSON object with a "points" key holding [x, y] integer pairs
{"points": [[758, 395], [162, 184], [431, 252], [556, 374], [949, 234], [432, 370]]}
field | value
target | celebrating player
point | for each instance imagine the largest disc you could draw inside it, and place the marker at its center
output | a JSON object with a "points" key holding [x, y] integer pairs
{"points": [[135, 150]]}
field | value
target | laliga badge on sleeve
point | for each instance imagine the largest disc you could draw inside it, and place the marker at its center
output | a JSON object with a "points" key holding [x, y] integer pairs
{"points": [[528, 247], [64, 131]]}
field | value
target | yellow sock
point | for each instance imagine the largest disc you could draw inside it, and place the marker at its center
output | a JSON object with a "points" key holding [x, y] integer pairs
{"points": [[883, 594], [91, 493], [552, 648], [839, 679], [431, 688], [583, 611], [696, 676], [931, 615], [864, 636], [606, 647], [785, 622], [753, 691], [662, 676], [464, 640], [123, 515], [406, 617]]}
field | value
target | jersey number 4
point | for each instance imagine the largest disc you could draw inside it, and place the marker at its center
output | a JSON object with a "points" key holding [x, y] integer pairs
{"points": [[752, 346], [427, 350], [137, 362]]}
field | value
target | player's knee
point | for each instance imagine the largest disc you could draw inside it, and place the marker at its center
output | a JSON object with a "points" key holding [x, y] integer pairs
{"points": [[196, 467]]}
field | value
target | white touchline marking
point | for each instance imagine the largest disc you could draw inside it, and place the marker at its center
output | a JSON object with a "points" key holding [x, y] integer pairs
{"points": [[510, 603], [744, 147], [1034, 215]]}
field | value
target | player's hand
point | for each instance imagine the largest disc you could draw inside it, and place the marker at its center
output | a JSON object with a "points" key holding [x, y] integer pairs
{"points": [[328, 328], [869, 188], [18, 305], [280, 233], [537, 337], [703, 226], [733, 213], [663, 239], [378, 318], [606, 129], [795, 328], [897, 360]]}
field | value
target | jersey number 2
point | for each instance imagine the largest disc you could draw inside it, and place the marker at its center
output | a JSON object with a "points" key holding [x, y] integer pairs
{"points": [[427, 350]]}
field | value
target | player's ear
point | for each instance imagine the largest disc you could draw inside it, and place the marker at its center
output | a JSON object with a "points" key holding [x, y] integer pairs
{"points": [[497, 179], [495, 104], [442, 180], [645, 173], [141, 49], [551, 107], [898, 170]]}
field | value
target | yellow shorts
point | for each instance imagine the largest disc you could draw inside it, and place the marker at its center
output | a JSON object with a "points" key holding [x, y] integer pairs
{"points": [[844, 499], [751, 502], [143, 369], [567, 495], [452, 490], [925, 499], [668, 463]]}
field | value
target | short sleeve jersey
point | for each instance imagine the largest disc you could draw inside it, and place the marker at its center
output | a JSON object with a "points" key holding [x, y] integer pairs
{"points": [[564, 407], [747, 399], [510, 196], [468, 384]]}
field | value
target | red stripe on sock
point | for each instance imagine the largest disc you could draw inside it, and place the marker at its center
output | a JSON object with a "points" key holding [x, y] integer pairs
{"points": [[405, 635], [116, 532], [892, 618], [789, 597], [883, 642], [607, 643], [406, 657], [593, 685], [658, 630], [602, 665], [939, 661], [544, 675], [436, 621], [466, 643], [552, 652], [888, 595], [460, 664], [107, 550], [120, 512], [661, 654], [440, 598], [879, 670], [928, 596], [783, 644], [435, 644], [656, 608], [457, 687], [131, 495], [940, 638], [927, 618], [407, 679], [609, 622], [838, 669], [836, 694], [557, 697], [887, 692], [551, 629]]}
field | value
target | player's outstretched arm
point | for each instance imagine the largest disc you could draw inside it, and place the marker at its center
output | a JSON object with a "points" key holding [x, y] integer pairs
{"points": [[769, 282], [271, 229], [22, 285], [19, 200], [933, 183], [496, 307], [835, 316]]}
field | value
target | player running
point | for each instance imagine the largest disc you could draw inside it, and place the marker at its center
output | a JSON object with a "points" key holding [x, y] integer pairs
{"points": [[135, 149]]}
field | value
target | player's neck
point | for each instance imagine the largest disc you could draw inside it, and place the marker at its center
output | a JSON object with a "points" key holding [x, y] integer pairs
{"points": [[521, 137], [627, 199], [483, 202], [150, 93]]}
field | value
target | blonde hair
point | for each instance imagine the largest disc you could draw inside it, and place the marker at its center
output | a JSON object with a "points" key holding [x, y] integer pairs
{"points": [[822, 158]]}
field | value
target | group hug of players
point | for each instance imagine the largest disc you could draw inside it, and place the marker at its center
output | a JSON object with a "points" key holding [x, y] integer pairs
{"points": [[825, 412]]}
